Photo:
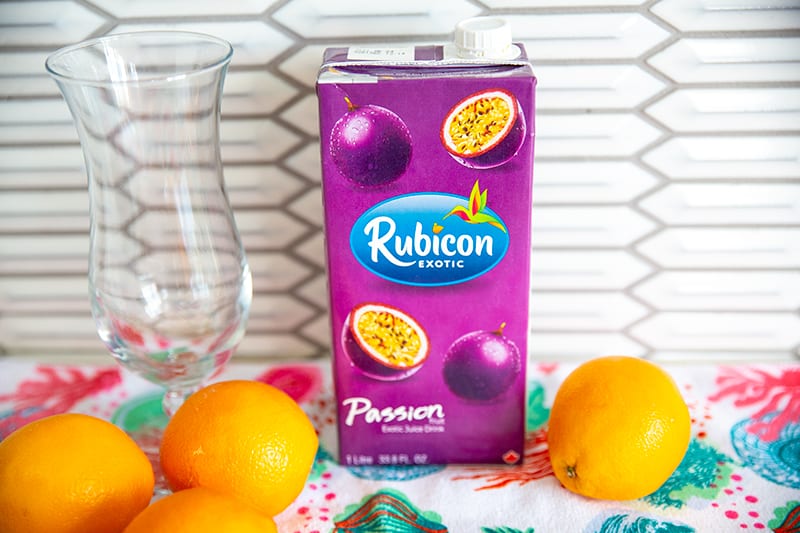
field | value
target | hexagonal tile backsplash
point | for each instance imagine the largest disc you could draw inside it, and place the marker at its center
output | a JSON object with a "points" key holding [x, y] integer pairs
{"points": [[667, 181]]}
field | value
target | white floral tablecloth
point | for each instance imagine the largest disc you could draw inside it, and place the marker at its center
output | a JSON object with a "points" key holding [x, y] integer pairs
{"points": [[741, 472]]}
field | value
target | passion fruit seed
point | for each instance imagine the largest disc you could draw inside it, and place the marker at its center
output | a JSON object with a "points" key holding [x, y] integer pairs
{"points": [[390, 335], [478, 123]]}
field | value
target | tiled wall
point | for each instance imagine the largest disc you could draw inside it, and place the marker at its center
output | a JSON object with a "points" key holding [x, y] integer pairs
{"points": [[667, 195]]}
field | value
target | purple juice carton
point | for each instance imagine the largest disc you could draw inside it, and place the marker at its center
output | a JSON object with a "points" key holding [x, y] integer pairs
{"points": [[427, 160]]}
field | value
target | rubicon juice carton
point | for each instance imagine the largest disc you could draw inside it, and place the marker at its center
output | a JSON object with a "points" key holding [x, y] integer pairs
{"points": [[427, 169]]}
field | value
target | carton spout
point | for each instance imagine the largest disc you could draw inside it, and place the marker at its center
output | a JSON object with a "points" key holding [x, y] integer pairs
{"points": [[485, 38]]}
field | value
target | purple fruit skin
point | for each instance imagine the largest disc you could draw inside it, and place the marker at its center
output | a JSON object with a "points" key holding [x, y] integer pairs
{"points": [[501, 153], [369, 366], [482, 365], [370, 145]]}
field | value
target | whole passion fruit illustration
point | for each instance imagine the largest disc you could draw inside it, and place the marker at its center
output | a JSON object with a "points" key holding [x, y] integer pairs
{"points": [[482, 365], [370, 145], [383, 342], [485, 129]]}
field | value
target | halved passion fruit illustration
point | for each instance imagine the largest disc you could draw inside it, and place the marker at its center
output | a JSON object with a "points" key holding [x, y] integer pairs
{"points": [[383, 342], [485, 129], [482, 365], [370, 145]]}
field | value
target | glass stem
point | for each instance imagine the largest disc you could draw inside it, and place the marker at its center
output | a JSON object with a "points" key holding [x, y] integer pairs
{"points": [[174, 398]]}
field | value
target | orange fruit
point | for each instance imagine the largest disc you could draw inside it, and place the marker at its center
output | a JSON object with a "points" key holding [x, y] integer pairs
{"points": [[71, 473], [200, 510], [242, 438], [618, 428]]}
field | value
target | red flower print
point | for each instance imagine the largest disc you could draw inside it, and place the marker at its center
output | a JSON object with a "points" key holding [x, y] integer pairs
{"points": [[300, 382]]}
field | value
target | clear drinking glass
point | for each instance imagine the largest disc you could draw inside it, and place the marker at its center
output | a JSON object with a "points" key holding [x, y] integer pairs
{"points": [[169, 283]]}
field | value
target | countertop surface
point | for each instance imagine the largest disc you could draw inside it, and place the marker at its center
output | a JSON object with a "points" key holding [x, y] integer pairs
{"points": [[741, 471]]}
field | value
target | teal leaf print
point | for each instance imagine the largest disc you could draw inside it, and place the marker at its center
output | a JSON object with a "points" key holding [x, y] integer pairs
{"points": [[537, 413], [387, 510], [702, 473], [787, 518], [623, 523]]}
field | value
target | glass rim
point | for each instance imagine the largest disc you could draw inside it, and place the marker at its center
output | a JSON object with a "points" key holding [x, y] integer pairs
{"points": [[214, 63]]}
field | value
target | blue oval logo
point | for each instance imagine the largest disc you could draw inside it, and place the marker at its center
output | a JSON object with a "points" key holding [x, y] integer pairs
{"points": [[430, 239]]}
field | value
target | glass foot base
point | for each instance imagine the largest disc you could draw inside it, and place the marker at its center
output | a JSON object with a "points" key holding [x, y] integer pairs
{"points": [[143, 418]]}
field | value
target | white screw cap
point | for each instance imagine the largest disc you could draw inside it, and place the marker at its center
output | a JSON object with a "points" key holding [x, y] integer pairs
{"points": [[484, 37]]}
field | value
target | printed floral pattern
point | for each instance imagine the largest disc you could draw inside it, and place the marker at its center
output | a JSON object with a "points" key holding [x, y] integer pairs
{"points": [[536, 465], [768, 441], [631, 523], [703, 474], [740, 473], [301, 382], [787, 519], [387, 510], [52, 391], [779, 396]]}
